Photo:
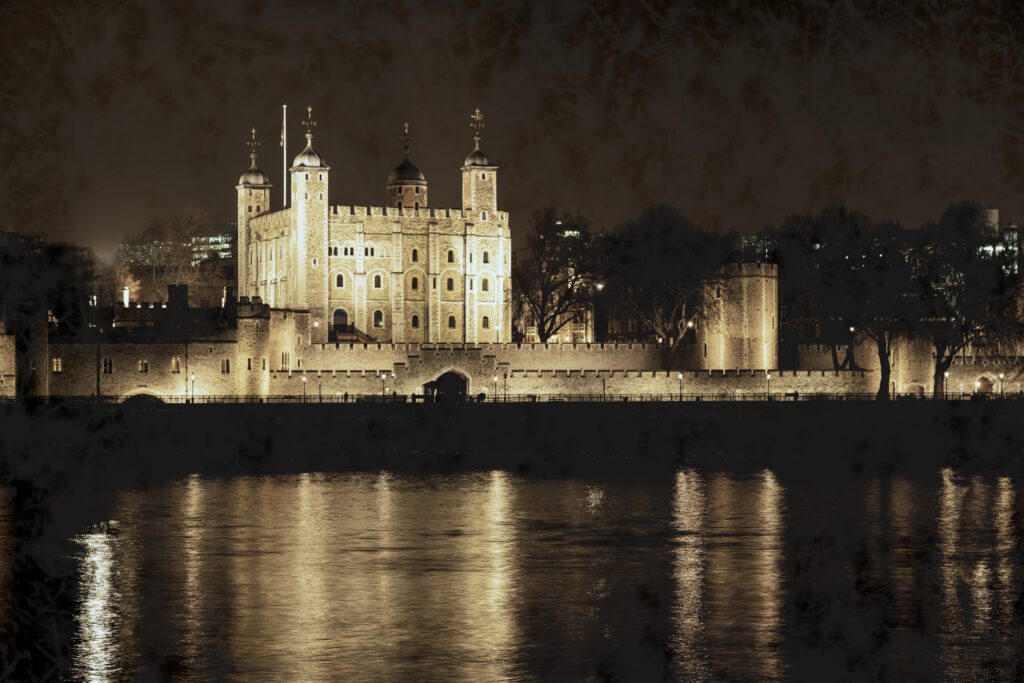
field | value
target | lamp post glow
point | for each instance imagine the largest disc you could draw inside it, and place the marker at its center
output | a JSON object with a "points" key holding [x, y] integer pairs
{"points": [[977, 386], [1001, 384], [382, 376], [495, 394], [193, 378], [945, 384], [769, 378], [680, 386], [303, 388]]}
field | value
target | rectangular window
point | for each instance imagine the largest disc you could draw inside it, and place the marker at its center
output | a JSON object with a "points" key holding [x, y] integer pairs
{"points": [[175, 364], [225, 365], [108, 366], [143, 366], [58, 365], [249, 364], [264, 363]]}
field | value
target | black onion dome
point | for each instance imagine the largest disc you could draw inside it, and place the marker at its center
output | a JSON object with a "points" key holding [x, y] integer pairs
{"points": [[477, 158], [405, 172]]}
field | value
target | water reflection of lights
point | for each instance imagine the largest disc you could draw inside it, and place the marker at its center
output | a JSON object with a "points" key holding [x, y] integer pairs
{"points": [[976, 540], [96, 650], [688, 521]]}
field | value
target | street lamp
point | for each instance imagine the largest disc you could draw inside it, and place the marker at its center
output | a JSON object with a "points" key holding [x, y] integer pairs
{"points": [[769, 376], [193, 378], [495, 388], [303, 388], [945, 384], [506, 387], [977, 386], [382, 376], [1000, 384], [680, 386]]}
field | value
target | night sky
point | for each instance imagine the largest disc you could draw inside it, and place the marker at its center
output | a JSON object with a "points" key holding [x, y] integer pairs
{"points": [[115, 112]]}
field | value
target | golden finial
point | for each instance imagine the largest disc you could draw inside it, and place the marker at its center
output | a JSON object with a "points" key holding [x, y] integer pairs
{"points": [[476, 123], [309, 123], [253, 144]]}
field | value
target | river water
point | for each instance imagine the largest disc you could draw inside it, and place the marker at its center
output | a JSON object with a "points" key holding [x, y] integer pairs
{"points": [[489, 576]]}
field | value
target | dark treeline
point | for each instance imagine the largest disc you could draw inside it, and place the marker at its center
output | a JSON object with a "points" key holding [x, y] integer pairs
{"points": [[844, 280]]}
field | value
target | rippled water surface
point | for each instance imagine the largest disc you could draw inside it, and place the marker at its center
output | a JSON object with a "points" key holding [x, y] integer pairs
{"points": [[490, 576]]}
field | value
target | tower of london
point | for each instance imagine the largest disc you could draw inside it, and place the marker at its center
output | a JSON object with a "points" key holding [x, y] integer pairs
{"points": [[403, 272]]}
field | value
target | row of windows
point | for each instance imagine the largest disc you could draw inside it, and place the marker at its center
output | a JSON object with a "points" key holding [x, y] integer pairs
{"points": [[414, 283], [415, 254], [108, 365], [378, 321]]}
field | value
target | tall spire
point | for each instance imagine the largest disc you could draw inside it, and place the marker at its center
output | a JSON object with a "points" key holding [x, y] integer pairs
{"points": [[477, 124]]}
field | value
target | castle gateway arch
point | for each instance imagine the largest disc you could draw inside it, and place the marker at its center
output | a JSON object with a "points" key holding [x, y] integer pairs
{"points": [[451, 385]]}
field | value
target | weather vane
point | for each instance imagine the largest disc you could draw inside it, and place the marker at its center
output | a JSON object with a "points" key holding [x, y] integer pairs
{"points": [[405, 136], [476, 123], [309, 123], [253, 144]]}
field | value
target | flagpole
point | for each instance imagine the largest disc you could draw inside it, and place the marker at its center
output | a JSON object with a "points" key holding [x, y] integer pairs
{"points": [[284, 156]]}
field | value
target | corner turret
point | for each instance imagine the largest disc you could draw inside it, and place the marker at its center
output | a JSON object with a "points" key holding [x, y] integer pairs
{"points": [[253, 200], [479, 177]]}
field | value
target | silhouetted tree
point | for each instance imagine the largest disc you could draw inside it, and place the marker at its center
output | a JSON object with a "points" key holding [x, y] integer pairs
{"points": [[554, 276], [966, 292], [664, 271], [168, 245]]}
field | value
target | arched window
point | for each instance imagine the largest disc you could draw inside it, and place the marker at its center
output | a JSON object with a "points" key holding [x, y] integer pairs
{"points": [[484, 285], [451, 322], [415, 206], [415, 283], [376, 282], [378, 318], [415, 322], [451, 256], [339, 280], [451, 285], [257, 208], [250, 209], [487, 257], [399, 205], [415, 255], [487, 323]]}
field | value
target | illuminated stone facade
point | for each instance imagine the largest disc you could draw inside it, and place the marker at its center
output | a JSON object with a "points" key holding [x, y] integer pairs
{"points": [[404, 272]]}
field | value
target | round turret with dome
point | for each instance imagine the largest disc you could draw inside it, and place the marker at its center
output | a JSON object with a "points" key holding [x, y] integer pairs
{"points": [[407, 186]]}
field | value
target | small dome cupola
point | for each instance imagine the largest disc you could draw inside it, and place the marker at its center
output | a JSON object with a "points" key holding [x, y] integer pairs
{"points": [[407, 186], [477, 156], [253, 176], [308, 157]]}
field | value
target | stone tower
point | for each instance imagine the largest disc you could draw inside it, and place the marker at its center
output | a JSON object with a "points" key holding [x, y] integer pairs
{"points": [[306, 276], [479, 177], [407, 187], [253, 200]]}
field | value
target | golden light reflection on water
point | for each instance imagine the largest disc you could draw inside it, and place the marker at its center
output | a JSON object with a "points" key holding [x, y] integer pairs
{"points": [[490, 576], [977, 528], [689, 521], [740, 554]]}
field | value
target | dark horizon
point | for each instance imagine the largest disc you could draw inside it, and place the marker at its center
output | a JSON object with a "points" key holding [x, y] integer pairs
{"points": [[115, 115]]}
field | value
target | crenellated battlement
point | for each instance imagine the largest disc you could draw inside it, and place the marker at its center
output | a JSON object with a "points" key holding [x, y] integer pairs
{"points": [[405, 212]]}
